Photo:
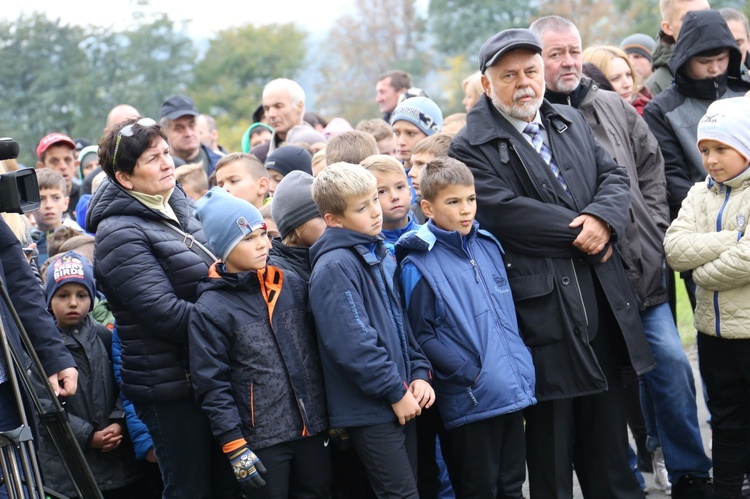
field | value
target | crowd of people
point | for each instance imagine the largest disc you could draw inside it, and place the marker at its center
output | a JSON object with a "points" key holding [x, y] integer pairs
{"points": [[416, 306]]}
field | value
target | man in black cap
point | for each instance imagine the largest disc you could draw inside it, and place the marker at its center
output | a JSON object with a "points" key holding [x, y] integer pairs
{"points": [[178, 116], [558, 202]]}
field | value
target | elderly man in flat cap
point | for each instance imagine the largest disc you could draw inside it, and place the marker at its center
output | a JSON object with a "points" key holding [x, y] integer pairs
{"points": [[558, 203]]}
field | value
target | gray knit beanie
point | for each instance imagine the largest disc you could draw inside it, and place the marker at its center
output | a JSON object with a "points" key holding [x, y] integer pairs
{"points": [[292, 203]]}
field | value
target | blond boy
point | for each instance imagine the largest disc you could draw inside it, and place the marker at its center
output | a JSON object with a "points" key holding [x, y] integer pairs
{"points": [[243, 175], [383, 134], [350, 147], [193, 179]]}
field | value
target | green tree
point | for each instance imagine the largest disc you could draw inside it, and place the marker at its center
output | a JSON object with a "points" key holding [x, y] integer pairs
{"points": [[461, 26], [378, 36], [228, 81]]}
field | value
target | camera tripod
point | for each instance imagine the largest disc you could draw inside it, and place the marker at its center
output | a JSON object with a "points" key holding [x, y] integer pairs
{"points": [[18, 459]]}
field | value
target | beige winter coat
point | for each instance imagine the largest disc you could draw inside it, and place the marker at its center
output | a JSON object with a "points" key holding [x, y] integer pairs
{"points": [[707, 237]]}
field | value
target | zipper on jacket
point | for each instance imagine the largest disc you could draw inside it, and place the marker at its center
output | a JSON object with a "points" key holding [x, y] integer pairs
{"points": [[252, 404], [474, 266], [580, 294], [716, 87], [400, 331], [719, 224], [471, 396]]}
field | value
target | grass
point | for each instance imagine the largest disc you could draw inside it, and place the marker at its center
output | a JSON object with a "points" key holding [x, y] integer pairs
{"points": [[684, 314]]}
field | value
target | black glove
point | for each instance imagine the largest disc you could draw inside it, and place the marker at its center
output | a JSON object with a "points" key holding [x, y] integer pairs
{"points": [[247, 466]]}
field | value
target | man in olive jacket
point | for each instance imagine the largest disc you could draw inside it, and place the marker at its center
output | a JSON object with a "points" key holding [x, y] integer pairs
{"points": [[558, 224]]}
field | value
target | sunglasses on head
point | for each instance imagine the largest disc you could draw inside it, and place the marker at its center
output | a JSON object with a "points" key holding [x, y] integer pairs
{"points": [[128, 131]]}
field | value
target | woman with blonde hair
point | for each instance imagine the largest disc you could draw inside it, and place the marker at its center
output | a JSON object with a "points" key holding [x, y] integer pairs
{"points": [[472, 86], [616, 66]]}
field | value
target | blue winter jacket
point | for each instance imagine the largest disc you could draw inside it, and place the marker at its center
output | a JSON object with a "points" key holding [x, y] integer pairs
{"points": [[482, 367], [368, 353]]}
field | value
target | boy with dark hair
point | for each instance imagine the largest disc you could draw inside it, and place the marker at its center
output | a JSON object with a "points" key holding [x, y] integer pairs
{"points": [[243, 176], [350, 147], [52, 208], [254, 361], [461, 310], [394, 196], [376, 377], [425, 151], [95, 411]]}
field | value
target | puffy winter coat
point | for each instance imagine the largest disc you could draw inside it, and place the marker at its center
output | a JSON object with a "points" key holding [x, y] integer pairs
{"points": [[149, 277], [708, 238], [254, 357], [481, 366]]}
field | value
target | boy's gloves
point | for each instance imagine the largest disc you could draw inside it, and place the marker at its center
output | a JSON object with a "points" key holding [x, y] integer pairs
{"points": [[245, 464]]}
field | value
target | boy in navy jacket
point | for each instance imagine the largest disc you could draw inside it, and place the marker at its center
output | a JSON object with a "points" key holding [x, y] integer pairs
{"points": [[254, 359], [461, 311], [376, 378]]}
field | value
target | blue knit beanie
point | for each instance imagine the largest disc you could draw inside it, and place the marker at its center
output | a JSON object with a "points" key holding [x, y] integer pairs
{"points": [[226, 220], [70, 267], [421, 112]]}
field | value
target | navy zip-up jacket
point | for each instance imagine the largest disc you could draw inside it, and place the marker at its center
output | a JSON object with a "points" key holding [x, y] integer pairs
{"points": [[368, 353]]}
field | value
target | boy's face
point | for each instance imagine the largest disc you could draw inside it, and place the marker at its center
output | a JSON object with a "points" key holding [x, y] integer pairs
{"points": [[363, 214], [250, 253], [274, 179], [395, 199], [311, 231], [703, 67], [52, 205], [721, 161], [89, 165], [237, 181], [406, 136], [417, 165], [388, 146], [453, 209], [70, 304], [261, 137], [61, 158]]}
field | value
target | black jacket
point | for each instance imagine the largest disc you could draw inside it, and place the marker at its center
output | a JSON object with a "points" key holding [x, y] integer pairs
{"points": [[555, 286], [626, 137], [254, 358], [292, 258], [149, 277], [673, 115]]}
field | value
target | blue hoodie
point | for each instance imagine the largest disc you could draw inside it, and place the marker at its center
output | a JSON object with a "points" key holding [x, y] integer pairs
{"points": [[368, 353]]}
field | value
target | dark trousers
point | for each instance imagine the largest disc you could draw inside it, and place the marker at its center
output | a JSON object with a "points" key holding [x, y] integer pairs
{"points": [[190, 460], [725, 368], [389, 453], [589, 432], [429, 427], [298, 469], [489, 458]]}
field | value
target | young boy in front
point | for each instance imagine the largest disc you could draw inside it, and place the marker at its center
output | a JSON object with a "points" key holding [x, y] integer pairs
{"points": [[394, 196], [376, 377], [708, 237], [461, 310], [426, 150], [53, 203], [95, 411], [243, 176], [253, 358]]}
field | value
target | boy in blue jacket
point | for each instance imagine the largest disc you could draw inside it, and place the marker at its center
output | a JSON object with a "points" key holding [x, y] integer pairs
{"points": [[254, 359], [376, 378], [461, 310]]}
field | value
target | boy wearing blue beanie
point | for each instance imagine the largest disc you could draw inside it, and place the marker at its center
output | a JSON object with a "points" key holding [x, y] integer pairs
{"points": [[413, 120], [253, 358]]}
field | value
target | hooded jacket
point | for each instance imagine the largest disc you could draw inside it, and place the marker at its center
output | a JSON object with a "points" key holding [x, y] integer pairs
{"points": [[673, 115], [661, 78], [149, 277], [626, 137], [465, 322], [708, 237], [254, 357], [553, 283], [368, 352]]}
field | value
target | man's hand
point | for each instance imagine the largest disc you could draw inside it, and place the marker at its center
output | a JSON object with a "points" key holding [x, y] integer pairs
{"points": [[423, 393], [407, 408], [65, 383], [594, 234], [107, 439]]}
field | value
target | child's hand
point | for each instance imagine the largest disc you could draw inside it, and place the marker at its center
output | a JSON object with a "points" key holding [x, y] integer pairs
{"points": [[407, 408], [423, 393], [151, 456], [107, 439]]}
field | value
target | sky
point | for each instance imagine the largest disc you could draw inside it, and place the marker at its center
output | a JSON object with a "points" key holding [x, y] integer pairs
{"points": [[206, 17]]}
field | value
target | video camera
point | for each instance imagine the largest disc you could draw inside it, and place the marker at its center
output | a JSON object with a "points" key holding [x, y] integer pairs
{"points": [[19, 190]]}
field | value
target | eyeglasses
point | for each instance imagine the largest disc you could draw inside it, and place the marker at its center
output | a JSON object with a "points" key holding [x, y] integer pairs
{"points": [[128, 131]]}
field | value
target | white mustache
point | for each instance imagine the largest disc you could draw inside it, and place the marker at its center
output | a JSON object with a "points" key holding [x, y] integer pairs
{"points": [[524, 92]]}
